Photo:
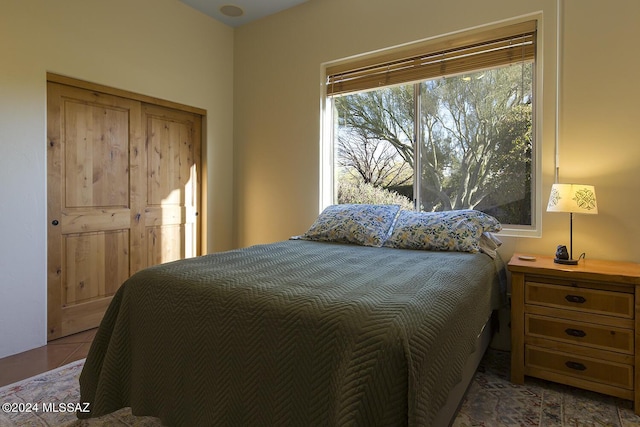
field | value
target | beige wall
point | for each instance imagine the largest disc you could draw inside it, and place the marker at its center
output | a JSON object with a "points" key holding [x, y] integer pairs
{"points": [[263, 102], [277, 108], [160, 48]]}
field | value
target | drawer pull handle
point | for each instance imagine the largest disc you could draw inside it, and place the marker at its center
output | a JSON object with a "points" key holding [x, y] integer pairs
{"points": [[575, 298], [575, 332], [576, 366]]}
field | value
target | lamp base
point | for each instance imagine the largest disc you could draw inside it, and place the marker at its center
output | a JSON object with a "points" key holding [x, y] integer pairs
{"points": [[566, 261]]}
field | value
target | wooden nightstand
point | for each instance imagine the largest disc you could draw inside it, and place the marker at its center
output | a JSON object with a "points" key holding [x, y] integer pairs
{"points": [[577, 324]]}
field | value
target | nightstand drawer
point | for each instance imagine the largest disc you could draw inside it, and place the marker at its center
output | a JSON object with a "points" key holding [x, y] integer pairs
{"points": [[600, 371], [588, 300], [588, 334]]}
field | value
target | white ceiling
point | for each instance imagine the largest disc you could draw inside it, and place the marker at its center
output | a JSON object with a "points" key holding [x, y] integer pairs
{"points": [[253, 9]]}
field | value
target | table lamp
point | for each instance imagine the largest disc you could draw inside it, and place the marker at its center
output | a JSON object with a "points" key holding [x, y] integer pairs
{"points": [[572, 198]]}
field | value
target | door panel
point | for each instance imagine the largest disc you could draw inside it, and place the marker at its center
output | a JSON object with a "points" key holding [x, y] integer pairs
{"points": [[165, 243], [96, 155], [96, 265]]}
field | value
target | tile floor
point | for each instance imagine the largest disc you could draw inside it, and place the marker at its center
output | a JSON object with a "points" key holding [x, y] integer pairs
{"points": [[55, 354]]}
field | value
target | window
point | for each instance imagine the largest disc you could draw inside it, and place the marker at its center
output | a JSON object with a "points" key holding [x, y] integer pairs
{"points": [[440, 125]]}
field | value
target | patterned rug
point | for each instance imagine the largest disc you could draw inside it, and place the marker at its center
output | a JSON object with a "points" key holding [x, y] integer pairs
{"points": [[492, 401]]}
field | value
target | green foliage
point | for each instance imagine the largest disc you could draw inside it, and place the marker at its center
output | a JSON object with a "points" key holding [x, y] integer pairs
{"points": [[361, 192], [475, 140]]}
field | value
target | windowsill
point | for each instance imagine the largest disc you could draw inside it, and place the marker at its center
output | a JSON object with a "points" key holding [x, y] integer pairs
{"points": [[511, 231]]}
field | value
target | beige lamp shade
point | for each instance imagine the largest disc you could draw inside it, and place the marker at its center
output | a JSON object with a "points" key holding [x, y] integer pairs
{"points": [[574, 198]]}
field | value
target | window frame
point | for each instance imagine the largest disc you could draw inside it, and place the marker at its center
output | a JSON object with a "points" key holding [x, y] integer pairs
{"points": [[327, 182]]}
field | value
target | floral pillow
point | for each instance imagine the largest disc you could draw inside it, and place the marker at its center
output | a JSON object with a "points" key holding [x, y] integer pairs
{"points": [[458, 230], [362, 224]]}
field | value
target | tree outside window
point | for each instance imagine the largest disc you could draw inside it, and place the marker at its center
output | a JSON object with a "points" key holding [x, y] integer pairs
{"points": [[462, 141]]}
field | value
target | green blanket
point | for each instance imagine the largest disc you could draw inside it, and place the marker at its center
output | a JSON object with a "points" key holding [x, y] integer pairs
{"points": [[295, 333]]}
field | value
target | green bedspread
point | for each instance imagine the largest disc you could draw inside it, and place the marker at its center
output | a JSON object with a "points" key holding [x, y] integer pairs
{"points": [[295, 333]]}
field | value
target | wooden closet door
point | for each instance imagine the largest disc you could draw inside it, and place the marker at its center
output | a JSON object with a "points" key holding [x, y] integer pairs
{"points": [[171, 216], [122, 189], [94, 151]]}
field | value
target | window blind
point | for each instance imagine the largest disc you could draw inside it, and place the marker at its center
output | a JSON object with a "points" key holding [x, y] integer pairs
{"points": [[459, 54]]}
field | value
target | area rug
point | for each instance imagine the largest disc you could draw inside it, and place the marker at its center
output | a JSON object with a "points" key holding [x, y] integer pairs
{"points": [[50, 399], [491, 401]]}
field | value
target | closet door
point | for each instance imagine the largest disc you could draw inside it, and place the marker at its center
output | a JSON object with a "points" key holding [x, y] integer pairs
{"points": [[122, 189], [171, 216], [92, 147]]}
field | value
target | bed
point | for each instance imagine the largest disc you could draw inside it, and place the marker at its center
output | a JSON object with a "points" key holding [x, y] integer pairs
{"points": [[307, 331]]}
